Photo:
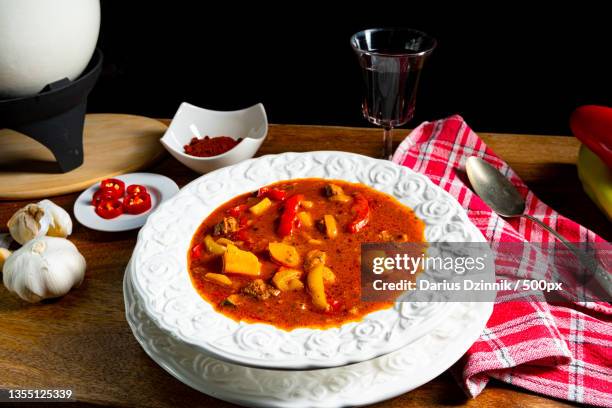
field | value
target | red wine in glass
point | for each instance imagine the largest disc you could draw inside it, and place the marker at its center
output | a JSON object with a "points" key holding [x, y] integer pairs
{"points": [[391, 61]]}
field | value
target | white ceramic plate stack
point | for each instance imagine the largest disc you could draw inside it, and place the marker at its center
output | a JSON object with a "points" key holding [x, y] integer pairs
{"points": [[388, 353]]}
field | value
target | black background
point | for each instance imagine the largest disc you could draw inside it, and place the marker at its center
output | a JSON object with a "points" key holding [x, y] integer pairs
{"points": [[506, 69]]}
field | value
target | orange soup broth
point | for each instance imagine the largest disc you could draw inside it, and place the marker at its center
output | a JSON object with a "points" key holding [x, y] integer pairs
{"points": [[294, 309]]}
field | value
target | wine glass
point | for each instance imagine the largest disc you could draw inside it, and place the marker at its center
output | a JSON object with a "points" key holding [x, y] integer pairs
{"points": [[391, 60]]}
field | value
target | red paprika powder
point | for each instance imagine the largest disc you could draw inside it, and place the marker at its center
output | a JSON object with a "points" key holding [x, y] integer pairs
{"points": [[210, 146]]}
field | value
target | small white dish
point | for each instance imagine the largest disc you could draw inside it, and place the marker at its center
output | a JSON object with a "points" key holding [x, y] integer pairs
{"points": [[250, 124], [161, 188]]}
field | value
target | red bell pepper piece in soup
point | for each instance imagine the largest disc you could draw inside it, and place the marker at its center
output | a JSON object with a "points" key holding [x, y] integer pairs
{"points": [[238, 210], [289, 217], [273, 193], [361, 211]]}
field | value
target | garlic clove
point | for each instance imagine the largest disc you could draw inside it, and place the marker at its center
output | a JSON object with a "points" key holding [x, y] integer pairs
{"points": [[30, 287], [61, 223], [19, 276], [58, 284], [4, 254], [29, 222]]}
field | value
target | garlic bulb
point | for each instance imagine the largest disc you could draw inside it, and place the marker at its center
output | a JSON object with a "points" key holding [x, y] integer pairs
{"points": [[45, 267], [37, 220]]}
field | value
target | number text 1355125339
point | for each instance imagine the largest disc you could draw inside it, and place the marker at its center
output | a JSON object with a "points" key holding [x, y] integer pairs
{"points": [[36, 395]]}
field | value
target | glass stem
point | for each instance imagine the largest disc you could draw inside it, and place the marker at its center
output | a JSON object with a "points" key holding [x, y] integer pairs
{"points": [[387, 143]]}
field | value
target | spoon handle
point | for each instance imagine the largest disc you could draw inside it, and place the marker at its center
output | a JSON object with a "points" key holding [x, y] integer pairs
{"points": [[602, 276]]}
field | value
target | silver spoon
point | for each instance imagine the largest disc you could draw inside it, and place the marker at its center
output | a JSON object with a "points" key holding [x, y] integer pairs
{"points": [[503, 198]]}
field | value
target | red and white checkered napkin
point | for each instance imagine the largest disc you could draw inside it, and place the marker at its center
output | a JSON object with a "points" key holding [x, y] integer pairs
{"points": [[564, 351]]}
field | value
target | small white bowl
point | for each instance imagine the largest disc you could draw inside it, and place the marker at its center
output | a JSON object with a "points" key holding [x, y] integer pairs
{"points": [[250, 124]]}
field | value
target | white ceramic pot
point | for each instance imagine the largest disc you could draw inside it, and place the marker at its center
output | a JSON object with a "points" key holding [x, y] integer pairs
{"points": [[43, 41]]}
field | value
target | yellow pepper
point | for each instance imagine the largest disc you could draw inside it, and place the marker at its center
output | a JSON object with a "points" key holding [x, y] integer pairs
{"points": [[236, 260], [284, 254], [287, 279], [331, 229], [261, 207], [316, 288], [213, 247], [218, 278], [305, 218]]}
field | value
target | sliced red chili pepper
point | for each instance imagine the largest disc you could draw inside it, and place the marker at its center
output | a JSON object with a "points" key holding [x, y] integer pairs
{"points": [[196, 251], [273, 193], [361, 211], [135, 189], [137, 204], [109, 209], [289, 216], [115, 187], [101, 195], [238, 210]]}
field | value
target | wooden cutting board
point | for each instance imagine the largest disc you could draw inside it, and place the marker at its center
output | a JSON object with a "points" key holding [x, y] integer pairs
{"points": [[113, 144], [82, 341]]}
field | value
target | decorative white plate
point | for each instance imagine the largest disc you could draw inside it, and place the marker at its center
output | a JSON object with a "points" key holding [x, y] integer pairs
{"points": [[162, 281], [358, 384], [161, 188]]}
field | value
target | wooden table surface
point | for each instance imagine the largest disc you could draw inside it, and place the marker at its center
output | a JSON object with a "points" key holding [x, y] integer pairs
{"points": [[83, 342]]}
